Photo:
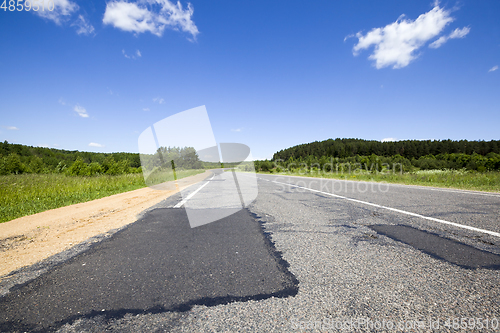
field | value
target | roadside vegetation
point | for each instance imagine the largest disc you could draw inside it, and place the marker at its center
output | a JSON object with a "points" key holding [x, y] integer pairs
{"points": [[34, 179], [471, 165], [27, 194]]}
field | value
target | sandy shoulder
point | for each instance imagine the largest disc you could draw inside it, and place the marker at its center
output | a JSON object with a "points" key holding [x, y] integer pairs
{"points": [[29, 239]]}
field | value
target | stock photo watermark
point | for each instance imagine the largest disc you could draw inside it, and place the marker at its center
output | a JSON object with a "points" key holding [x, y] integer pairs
{"points": [[184, 144], [364, 323], [27, 5], [334, 167], [330, 186]]}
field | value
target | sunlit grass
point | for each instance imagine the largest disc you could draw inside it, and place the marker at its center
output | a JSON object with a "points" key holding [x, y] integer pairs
{"points": [[161, 176], [27, 194]]}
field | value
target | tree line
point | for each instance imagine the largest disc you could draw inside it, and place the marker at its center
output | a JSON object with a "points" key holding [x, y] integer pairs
{"points": [[18, 159], [409, 149], [330, 155]]}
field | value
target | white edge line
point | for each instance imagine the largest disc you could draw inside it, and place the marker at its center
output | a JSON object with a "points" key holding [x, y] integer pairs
{"points": [[430, 188], [183, 201], [496, 234]]}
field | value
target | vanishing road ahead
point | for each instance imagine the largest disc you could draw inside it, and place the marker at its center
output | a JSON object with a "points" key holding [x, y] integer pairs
{"points": [[307, 254]]}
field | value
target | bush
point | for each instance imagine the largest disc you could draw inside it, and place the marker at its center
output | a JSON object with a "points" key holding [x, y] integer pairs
{"points": [[118, 168], [124, 166], [94, 168], [78, 168], [108, 163], [477, 162], [61, 167], [266, 166], [3, 167], [36, 165], [136, 170], [12, 164], [400, 164]]}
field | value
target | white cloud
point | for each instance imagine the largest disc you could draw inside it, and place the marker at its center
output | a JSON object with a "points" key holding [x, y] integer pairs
{"points": [[11, 128], [349, 36], [396, 43], [61, 101], [460, 33], [236, 130], [83, 27], [62, 10], [389, 140], [93, 144], [150, 15], [81, 111], [145, 109], [130, 17], [457, 33], [134, 56], [159, 100], [492, 69], [440, 41]]}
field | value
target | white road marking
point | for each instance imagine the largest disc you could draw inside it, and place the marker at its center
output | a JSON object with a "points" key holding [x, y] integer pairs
{"points": [[496, 234], [448, 190], [430, 188], [181, 203]]}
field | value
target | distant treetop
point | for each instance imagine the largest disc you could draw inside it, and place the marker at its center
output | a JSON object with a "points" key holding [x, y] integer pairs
{"points": [[343, 148]]}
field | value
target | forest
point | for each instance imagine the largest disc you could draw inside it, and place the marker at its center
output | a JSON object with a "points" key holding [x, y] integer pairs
{"points": [[18, 159], [21, 159], [406, 155]]}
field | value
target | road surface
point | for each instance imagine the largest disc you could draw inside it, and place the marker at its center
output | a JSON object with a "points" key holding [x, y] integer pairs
{"points": [[307, 255]]}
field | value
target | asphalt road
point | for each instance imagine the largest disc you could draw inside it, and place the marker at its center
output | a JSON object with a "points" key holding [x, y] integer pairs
{"points": [[357, 255]]}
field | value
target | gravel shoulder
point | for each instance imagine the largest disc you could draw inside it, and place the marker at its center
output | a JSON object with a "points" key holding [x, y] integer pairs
{"points": [[30, 239]]}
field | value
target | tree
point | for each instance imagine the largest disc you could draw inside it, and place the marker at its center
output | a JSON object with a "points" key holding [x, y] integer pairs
{"points": [[36, 164], [94, 168], [13, 164], [266, 165], [109, 163], [78, 168]]}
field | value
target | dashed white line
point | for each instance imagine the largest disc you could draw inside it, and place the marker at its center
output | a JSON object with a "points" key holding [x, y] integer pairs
{"points": [[183, 201]]}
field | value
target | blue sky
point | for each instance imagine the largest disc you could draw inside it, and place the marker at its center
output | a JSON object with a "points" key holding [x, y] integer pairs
{"points": [[92, 75]]}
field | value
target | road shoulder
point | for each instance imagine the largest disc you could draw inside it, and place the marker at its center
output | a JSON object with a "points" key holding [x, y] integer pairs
{"points": [[31, 239]]}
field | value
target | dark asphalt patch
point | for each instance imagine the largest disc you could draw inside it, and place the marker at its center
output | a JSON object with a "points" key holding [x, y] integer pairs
{"points": [[439, 247], [155, 265]]}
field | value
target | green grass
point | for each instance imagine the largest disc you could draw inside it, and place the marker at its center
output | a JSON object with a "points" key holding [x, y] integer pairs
{"points": [[458, 179], [27, 194]]}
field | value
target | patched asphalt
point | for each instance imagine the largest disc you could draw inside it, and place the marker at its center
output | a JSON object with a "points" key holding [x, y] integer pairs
{"points": [[158, 264], [440, 247]]}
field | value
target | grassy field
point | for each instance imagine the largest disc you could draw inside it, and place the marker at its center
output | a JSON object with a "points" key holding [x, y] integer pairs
{"points": [[27, 194], [458, 179]]}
